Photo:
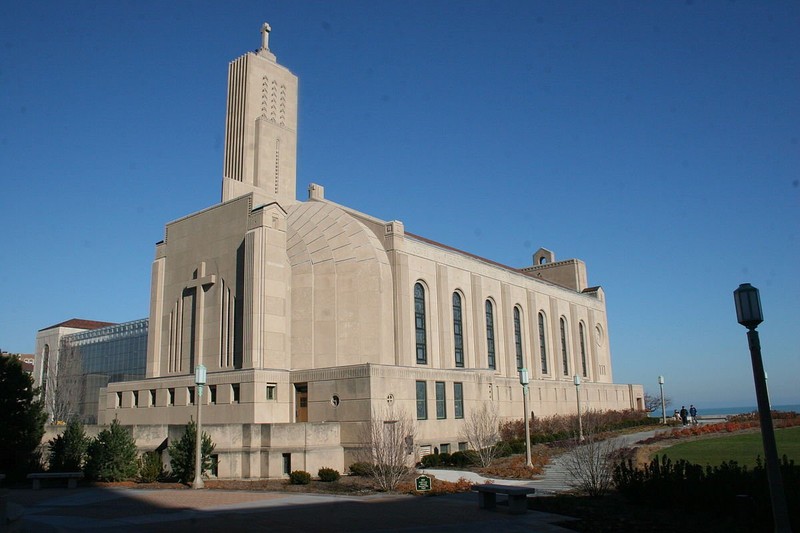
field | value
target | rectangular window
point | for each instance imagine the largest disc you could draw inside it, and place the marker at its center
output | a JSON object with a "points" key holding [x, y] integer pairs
{"points": [[191, 395], [118, 402], [235, 393], [212, 393], [136, 398], [441, 400], [422, 401], [152, 398], [272, 391], [287, 464], [458, 396], [445, 448], [170, 396], [462, 446]]}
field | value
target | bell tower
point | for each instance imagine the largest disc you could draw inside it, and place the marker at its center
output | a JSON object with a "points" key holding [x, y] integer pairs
{"points": [[261, 128]]}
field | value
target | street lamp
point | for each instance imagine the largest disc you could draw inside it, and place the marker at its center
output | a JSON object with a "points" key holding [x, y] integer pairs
{"points": [[577, 379], [748, 314], [199, 380], [523, 380], [663, 412]]}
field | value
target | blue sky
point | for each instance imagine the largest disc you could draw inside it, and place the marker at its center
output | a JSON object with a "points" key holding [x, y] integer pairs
{"points": [[657, 141]]}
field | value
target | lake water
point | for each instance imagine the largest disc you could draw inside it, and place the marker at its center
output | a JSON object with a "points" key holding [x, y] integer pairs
{"points": [[707, 411]]}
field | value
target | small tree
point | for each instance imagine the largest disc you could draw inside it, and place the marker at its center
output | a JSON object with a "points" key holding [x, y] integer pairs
{"points": [[481, 430], [388, 440], [590, 463], [182, 453], [653, 402], [112, 455], [68, 450], [22, 419]]}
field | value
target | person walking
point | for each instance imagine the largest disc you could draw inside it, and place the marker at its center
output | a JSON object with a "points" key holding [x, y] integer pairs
{"points": [[693, 414], [684, 415]]}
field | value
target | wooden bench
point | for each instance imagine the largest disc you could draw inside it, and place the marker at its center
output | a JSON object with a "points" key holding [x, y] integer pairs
{"points": [[71, 477], [517, 496]]}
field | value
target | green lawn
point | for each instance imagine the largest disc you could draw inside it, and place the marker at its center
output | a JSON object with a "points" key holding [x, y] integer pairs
{"points": [[743, 448]]}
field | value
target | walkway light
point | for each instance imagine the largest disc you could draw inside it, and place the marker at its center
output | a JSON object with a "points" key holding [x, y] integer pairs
{"points": [[577, 380], [199, 380], [663, 412], [523, 380], [748, 314]]}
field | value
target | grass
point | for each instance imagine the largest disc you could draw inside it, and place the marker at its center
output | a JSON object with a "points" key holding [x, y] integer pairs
{"points": [[743, 448]]}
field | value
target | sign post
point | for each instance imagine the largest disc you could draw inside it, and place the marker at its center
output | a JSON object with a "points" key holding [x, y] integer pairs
{"points": [[423, 483]]}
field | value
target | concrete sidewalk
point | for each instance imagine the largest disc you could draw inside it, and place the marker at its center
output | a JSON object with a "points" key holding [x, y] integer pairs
{"points": [[173, 511]]}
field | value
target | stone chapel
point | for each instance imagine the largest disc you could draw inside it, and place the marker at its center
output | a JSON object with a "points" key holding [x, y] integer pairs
{"points": [[312, 318]]}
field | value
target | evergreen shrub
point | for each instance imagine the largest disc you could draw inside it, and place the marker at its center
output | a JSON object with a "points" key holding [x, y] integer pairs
{"points": [[112, 456], [328, 474], [299, 477]]}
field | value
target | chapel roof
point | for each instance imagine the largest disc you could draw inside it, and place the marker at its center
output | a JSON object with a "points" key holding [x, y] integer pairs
{"points": [[80, 323]]}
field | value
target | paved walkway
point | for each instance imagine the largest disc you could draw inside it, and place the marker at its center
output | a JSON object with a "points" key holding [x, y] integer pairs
{"points": [[174, 511], [555, 477]]}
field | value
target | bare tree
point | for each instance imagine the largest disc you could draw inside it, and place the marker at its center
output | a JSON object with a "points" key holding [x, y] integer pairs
{"points": [[590, 463], [481, 430], [65, 385], [388, 447], [653, 402]]}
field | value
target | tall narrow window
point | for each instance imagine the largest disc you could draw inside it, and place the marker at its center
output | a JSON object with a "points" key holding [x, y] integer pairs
{"points": [[419, 324], [564, 355], [583, 349], [490, 334], [422, 401], [441, 400], [458, 331], [518, 338], [542, 343], [458, 397]]}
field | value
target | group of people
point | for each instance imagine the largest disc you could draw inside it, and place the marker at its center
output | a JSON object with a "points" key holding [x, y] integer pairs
{"points": [[686, 417]]}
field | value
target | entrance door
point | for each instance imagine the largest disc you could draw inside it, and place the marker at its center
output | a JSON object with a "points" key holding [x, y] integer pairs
{"points": [[301, 402]]}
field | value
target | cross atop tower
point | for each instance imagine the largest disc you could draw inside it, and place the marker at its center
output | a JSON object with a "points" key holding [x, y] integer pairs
{"points": [[265, 29]]}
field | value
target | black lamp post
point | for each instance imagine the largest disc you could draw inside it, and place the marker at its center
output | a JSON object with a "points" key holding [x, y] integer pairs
{"points": [[748, 314]]}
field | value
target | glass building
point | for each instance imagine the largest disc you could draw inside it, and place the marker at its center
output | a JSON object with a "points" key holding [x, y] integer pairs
{"points": [[90, 360]]}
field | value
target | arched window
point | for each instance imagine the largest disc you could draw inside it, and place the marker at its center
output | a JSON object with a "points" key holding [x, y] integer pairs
{"points": [[583, 348], [542, 343], [458, 331], [564, 355], [419, 324], [490, 334], [518, 337], [45, 363]]}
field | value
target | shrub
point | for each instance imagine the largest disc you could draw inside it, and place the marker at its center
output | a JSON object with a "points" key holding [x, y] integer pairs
{"points": [[461, 459], [68, 450], [328, 474], [445, 459], [431, 460], [112, 455], [151, 468], [181, 454], [360, 469], [299, 477]]}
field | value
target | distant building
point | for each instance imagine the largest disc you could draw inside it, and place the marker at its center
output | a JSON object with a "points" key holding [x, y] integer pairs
{"points": [[76, 358], [25, 358]]}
